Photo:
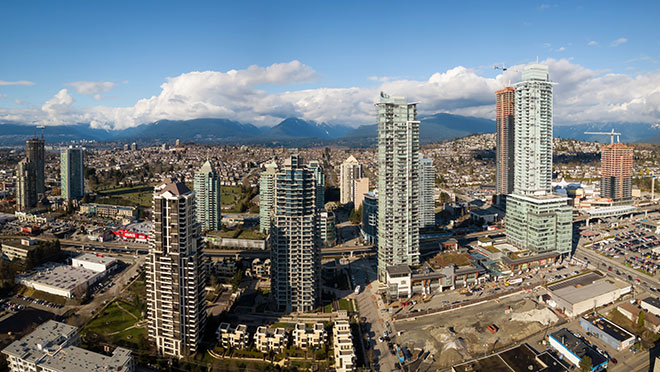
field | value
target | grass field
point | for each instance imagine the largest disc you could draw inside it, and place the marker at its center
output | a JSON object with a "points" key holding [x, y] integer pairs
{"points": [[345, 304], [445, 259], [116, 325], [230, 194], [137, 195]]}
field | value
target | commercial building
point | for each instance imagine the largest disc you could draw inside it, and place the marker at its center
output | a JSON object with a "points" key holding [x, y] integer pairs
{"points": [[504, 145], [94, 262], [426, 185], [294, 238], [207, 197], [369, 226], [52, 347], [60, 280], [135, 231], [327, 230], [176, 274], [536, 219], [399, 282], [574, 350], [117, 212], [398, 183], [632, 311], [652, 305], [266, 196], [233, 337], [268, 339], [616, 166], [540, 224], [521, 358], [17, 250], [26, 185], [350, 172], [309, 338], [583, 293], [344, 351], [72, 173], [608, 332]]}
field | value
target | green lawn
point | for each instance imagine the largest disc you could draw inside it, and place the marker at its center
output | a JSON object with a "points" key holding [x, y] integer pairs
{"points": [[327, 308], [137, 195], [112, 319], [230, 194], [345, 304]]}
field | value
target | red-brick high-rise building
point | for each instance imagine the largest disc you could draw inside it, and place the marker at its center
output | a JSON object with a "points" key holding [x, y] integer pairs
{"points": [[504, 139], [616, 165]]}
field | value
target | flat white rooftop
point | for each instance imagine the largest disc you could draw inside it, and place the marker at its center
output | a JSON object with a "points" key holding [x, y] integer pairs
{"points": [[60, 276], [90, 257]]}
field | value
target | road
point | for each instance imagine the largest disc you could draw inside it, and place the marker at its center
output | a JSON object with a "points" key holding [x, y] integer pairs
{"points": [[598, 260], [367, 300]]}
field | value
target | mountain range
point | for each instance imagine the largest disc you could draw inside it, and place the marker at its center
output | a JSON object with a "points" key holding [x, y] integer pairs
{"points": [[299, 132]]}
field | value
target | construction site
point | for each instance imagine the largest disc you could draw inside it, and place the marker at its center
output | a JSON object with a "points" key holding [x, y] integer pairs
{"points": [[462, 334]]}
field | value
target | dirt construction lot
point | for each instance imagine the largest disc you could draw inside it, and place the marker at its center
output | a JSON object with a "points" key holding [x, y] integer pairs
{"points": [[462, 334]]}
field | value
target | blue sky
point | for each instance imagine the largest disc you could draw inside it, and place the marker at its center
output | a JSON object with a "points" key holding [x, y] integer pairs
{"points": [[135, 46]]}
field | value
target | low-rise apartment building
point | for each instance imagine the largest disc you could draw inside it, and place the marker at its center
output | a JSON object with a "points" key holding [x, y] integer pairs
{"points": [[343, 347], [233, 337], [268, 339], [309, 338]]}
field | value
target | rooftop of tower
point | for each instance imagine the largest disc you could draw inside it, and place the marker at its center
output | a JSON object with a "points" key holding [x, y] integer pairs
{"points": [[536, 72], [174, 186]]}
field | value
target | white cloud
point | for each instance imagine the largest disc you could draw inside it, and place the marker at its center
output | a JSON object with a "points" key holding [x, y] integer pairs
{"points": [[91, 87], [19, 82], [581, 95], [561, 49], [592, 43], [618, 42]]}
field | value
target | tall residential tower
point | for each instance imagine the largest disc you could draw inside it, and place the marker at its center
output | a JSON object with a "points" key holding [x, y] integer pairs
{"points": [[349, 172], [34, 152], [504, 120], [72, 173], [536, 219], [266, 196], [398, 183], [616, 165], [426, 186], [294, 238], [176, 275], [207, 196]]}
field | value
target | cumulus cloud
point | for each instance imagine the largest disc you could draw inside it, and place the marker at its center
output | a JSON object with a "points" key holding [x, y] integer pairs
{"points": [[91, 87], [19, 82], [581, 95], [592, 43], [618, 42]]}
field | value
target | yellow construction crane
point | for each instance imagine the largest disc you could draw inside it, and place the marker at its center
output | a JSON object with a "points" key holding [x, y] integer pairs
{"points": [[611, 134]]}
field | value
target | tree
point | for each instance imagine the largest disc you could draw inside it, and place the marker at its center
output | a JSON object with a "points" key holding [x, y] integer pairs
{"points": [[640, 320], [356, 215], [585, 363]]}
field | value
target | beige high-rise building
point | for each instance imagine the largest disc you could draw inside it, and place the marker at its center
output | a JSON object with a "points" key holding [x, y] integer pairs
{"points": [[361, 187], [176, 275], [350, 172]]}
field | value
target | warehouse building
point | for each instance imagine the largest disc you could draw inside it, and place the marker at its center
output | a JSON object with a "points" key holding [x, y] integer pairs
{"points": [[608, 332], [94, 262], [52, 347], [577, 295], [574, 349], [521, 358], [652, 305], [60, 280]]}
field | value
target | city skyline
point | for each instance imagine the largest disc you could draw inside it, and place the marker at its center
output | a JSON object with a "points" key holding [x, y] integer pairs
{"points": [[604, 74]]}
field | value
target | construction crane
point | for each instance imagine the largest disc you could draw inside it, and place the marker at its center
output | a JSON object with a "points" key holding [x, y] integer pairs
{"points": [[611, 134]]}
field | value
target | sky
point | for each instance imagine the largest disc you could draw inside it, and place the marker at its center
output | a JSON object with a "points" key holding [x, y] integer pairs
{"points": [[118, 64]]}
